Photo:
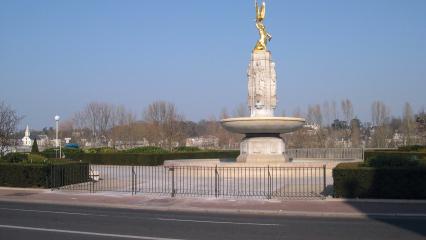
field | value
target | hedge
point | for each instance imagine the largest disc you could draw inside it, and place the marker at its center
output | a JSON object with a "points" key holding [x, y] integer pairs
{"points": [[381, 161], [42, 175], [151, 159], [70, 153], [413, 148], [393, 154], [351, 180]]}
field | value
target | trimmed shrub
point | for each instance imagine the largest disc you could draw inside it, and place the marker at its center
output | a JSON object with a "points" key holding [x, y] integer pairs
{"points": [[394, 154], [15, 157], [35, 158], [187, 149], [151, 159], [385, 160], [100, 150], [42, 175], [412, 148], [70, 153], [352, 180], [149, 149], [34, 148]]}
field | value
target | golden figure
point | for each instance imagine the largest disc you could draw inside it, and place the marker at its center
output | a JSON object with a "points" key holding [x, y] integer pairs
{"points": [[264, 35]]}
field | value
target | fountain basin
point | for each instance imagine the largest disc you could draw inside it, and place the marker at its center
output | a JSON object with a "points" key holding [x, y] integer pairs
{"points": [[256, 125]]}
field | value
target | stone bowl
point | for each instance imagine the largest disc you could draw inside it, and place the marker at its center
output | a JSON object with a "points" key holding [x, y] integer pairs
{"points": [[253, 125]]}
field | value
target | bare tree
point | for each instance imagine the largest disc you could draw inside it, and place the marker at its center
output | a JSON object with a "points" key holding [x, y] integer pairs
{"points": [[297, 112], [9, 120], [355, 128], [379, 113], [96, 117], [241, 111], [333, 110], [327, 113], [408, 124], [421, 125], [380, 117], [165, 122], [314, 115], [347, 110], [123, 126]]}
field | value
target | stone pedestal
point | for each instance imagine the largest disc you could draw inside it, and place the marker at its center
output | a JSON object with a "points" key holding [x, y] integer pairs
{"points": [[262, 148]]}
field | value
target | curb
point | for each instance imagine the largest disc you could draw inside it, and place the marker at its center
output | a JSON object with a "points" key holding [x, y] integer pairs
{"points": [[356, 215]]}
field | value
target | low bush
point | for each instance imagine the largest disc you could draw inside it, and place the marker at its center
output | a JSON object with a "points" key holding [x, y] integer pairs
{"points": [[394, 154], [353, 180], [412, 148], [151, 159], [386, 160], [42, 175], [187, 149], [15, 157], [100, 150], [149, 149], [70, 153]]}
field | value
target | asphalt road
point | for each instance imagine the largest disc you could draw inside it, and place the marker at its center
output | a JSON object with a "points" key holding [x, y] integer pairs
{"points": [[37, 221]]}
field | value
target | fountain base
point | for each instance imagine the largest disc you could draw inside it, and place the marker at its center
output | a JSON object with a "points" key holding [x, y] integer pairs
{"points": [[262, 148]]}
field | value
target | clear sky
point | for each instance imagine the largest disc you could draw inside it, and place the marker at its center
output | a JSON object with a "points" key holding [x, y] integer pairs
{"points": [[57, 56]]}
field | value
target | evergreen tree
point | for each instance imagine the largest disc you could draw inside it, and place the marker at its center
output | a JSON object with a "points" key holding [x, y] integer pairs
{"points": [[34, 148]]}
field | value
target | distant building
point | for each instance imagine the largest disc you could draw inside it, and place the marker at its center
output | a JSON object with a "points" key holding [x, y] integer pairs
{"points": [[203, 142], [26, 140], [43, 140]]}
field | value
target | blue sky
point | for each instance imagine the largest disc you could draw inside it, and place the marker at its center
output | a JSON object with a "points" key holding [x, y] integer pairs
{"points": [[57, 56]]}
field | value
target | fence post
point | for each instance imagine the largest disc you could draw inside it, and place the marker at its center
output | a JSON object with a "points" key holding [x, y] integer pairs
{"points": [[172, 169], [133, 181], [324, 178], [269, 184], [216, 182], [92, 181], [52, 185]]}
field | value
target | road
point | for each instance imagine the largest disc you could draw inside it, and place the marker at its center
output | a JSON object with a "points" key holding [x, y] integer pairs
{"points": [[44, 221]]}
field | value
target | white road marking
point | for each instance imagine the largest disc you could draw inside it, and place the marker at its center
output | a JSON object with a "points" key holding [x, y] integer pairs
{"points": [[159, 219], [54, 212], [85, 233], [217, 222]]}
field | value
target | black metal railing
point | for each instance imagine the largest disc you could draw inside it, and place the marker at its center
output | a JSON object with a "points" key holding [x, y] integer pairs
{"points": [[266, 182]]}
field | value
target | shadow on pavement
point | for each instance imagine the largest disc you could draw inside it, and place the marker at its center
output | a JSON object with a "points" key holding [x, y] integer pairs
{"points": [[395, 213]]}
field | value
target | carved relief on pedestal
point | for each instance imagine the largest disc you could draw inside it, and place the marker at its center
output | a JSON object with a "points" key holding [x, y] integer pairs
{"points": [[261, 85]]}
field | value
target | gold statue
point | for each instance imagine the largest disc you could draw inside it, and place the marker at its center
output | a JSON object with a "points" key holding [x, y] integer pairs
{"points": [[265, 37]]}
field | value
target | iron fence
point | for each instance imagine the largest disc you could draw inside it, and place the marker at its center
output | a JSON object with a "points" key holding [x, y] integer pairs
{"points": [[267, 182], [326, 153]]}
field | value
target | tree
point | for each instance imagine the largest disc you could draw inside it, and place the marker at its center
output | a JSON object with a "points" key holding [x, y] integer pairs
{"points": [[380, 117], [333, 110], [9, 120], [34, 148], [379, 113], [97, 117], [241, 111], [408, 124], [327, 113], [421, 125], [314, 115], [347, 110], [165, 123], [355, 132]]}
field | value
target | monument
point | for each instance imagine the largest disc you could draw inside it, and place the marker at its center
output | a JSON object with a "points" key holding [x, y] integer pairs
{"points": [[262, 142]]}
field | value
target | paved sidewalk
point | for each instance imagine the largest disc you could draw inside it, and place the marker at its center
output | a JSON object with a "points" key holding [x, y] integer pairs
{"points": [[312, 208]]}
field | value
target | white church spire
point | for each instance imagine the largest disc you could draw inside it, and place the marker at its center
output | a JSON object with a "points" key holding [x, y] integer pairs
{"points": [[26, 140]]}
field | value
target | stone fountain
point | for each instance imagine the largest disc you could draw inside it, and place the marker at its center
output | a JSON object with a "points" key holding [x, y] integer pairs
{"points": [[262, 142]]}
